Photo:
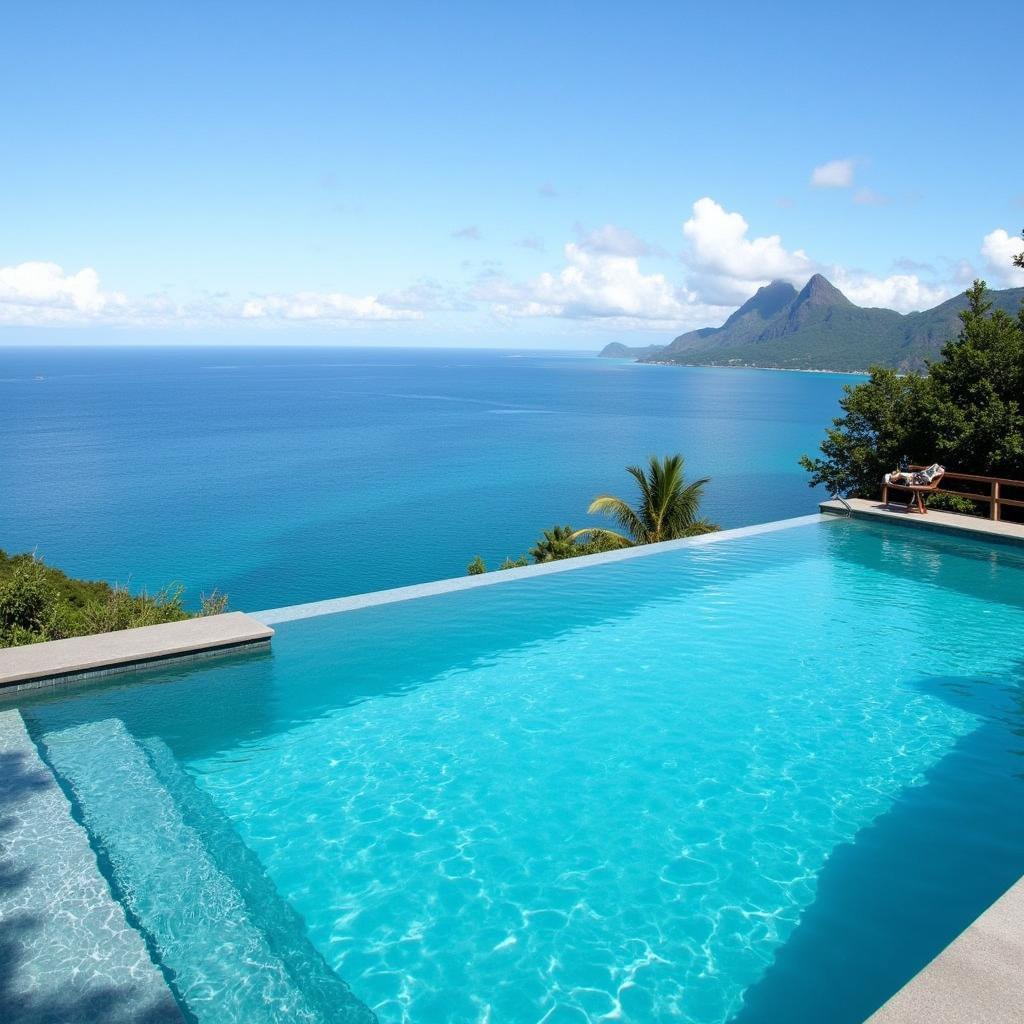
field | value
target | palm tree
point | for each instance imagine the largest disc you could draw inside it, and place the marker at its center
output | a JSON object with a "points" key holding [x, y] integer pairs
{"points": [[668, 509], [556, 543]]}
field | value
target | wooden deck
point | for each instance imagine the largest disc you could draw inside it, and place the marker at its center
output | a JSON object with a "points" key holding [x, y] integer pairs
{"points": [[946, 522]]}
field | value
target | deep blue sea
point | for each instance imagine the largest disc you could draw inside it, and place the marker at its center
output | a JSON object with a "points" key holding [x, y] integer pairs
{"points": [[281, 475]]}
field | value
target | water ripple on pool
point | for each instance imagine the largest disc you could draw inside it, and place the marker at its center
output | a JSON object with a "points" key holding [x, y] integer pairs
{"points": [[623, 819]]}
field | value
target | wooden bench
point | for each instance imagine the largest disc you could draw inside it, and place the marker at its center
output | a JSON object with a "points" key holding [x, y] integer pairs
{"points": [[996, 499], [917, 492]]}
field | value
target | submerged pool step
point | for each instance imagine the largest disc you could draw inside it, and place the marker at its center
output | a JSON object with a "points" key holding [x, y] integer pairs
{"points": [[67, 953], [282, 926], [199, 907]]}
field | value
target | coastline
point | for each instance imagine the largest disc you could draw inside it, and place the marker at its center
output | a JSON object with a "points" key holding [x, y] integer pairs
{"points": [[743, 366]]}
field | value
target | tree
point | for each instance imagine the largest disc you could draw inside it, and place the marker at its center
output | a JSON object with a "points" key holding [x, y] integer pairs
{"points": [[554, 544], [668, 508], [967, 412], [1018, 260], [880, 426], [564, 542]]}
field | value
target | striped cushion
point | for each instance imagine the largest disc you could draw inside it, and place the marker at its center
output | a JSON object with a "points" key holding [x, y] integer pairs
{"points": [[923, 477]]}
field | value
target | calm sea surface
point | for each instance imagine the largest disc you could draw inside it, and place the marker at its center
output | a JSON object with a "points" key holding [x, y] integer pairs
{"points": [[288, 475]]}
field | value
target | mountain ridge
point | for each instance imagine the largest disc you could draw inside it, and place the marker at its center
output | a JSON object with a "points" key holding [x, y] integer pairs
{"points": [[817, 328]]}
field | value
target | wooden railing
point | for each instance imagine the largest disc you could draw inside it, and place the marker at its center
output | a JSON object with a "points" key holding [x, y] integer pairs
{"points": [[994, 499]]}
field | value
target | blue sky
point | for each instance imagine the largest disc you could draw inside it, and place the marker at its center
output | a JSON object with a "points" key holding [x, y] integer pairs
{"points": [[536, 175]]}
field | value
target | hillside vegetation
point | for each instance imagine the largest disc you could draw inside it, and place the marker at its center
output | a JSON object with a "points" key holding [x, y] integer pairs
{"points": [[38, 602]]}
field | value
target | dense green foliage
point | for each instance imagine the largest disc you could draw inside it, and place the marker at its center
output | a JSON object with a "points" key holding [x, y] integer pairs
{"points": [[967, 412], [953, 503], [41, 603], [565, 542], [514, 563], [554, 544], [668, 508]]}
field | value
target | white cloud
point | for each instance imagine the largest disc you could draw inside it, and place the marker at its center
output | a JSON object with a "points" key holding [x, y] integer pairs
{"points": [[728, 267], [612, 240], [425, 295], [869, 197], [834, 174], [902, 292], [602, 280], [534, 242], [998, 249], [594, 286], [42, 293], [323, 306], [471, 233]]}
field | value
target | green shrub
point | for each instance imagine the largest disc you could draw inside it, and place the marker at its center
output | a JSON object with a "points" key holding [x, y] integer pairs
{"points": [[40, 603], [477, 567], [514, 563], [213, 604], [26, 597], [953, 503], [123, 610]]}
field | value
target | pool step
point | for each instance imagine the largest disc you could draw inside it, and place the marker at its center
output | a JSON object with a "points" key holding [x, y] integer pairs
{"points": [[283, 927], [227, 964], [67, 953]]}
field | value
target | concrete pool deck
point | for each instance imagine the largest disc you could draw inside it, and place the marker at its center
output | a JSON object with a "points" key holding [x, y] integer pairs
{"points": [[945, 522], [84, 657], [979, 977]]}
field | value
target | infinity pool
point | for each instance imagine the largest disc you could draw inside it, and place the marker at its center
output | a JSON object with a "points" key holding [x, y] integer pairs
{"points": [[763, 779]]}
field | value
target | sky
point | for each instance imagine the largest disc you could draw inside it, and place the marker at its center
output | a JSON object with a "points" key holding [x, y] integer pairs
{"points": [[543, 175]]}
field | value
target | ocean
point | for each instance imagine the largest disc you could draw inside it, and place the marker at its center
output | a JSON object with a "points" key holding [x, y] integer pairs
{"points": [[282, 475]]}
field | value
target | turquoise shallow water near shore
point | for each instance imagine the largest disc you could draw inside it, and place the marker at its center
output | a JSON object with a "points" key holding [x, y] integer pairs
{"points": [[288, 475], [759, 780]]}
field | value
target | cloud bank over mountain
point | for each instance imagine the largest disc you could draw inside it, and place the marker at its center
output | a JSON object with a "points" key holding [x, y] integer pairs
{"points": [[604, 279]]}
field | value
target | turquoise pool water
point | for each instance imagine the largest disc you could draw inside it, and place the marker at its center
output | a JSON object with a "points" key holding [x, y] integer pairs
{"points": [[757, 780]]}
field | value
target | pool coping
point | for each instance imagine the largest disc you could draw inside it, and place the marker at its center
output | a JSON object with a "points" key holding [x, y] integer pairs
{"points": [[82, 658], [993, 531], [977, 977], [331, 606]]}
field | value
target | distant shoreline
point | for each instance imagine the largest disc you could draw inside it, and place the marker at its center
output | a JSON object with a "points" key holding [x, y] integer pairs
{"points": [[745, 366]]}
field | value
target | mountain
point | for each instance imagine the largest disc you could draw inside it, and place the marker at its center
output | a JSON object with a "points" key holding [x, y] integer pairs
{"points": [[747, 323], [819, 328], [616, 350]]}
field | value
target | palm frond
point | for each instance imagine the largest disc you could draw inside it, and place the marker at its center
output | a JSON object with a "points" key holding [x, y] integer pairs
{"points": [[668, 506], [626, 517], [600, 531], [686, 504]]}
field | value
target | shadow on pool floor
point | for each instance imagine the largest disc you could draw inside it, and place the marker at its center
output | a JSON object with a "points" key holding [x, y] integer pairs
{"points": [[913, 879]]}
